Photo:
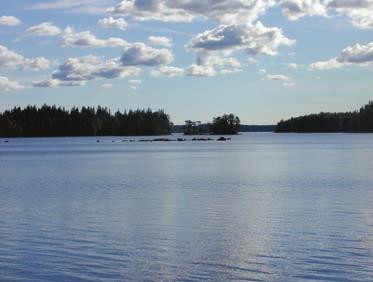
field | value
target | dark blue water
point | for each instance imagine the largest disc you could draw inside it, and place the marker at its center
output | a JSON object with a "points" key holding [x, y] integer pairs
{"points": [[262, 207]]}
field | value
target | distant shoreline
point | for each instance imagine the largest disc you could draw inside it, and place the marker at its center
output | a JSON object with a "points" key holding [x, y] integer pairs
{"points": [[243, 128], [360, 121]]}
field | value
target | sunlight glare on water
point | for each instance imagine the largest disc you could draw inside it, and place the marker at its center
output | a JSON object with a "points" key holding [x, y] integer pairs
{"points": [[262, 207]]}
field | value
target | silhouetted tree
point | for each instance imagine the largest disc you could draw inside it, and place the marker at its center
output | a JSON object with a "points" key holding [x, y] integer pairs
{"points": [[357, 121], [226, 124], [192, 127]]}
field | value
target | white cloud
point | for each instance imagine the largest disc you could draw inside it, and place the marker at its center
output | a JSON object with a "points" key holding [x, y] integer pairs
{"points": [[107, 85], [7, 85], [359, 11], [287, 81], [293, 66], [360, 55], [9, 21], [229, 71], [39, 63], [87, 39], [326, 65], [200, 70], [223, 11], [215, 47], [253, 39], [90, 67], [111, 22], [167, 71], [73, 6], [134, 84], [140, 54], [51, 83], [77, 71], [160, 41], [11, 59], [278, 77], [44, 29], [357, 54], [220, 60], [296, 9]]}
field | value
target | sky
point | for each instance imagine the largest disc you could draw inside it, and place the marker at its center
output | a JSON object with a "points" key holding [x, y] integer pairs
{"points": [[263, 60]]}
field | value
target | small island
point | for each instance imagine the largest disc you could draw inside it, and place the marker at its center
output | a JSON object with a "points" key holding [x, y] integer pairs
{"points": [[227, 124]]}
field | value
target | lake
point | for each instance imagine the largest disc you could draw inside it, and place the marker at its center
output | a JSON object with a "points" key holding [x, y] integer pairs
{"points": [[261, 207]]}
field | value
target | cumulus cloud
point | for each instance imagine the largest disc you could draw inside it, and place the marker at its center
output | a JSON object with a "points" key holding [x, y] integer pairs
{"points": [[359, 11], [11, 59], [223, 11], [111, 22], [254, 39], [200, 70], [87, 39], [360, 55], [215, 47], [139, 54], [90, 67], [167, 71], [9, 21], [326, 65], [217, 62], [160, 41], [44, 29], [296, 9], [77, 71], [7, 85]]}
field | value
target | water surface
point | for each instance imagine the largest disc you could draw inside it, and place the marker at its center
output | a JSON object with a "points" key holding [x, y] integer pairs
{"points": [[262, 207]]}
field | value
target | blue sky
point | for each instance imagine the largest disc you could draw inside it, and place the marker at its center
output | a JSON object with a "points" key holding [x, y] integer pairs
{"points": [[263, 60]]}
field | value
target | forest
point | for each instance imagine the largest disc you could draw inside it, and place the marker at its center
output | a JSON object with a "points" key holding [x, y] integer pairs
{"points": [[88, 121], [52, 121], [356, 121]]}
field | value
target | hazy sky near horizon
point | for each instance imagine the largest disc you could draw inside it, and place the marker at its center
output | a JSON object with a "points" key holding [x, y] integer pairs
{"points": [[263, 60]]}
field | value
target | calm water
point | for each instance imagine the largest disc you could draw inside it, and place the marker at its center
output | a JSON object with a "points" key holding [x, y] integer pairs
{"points": [[263, 207]]}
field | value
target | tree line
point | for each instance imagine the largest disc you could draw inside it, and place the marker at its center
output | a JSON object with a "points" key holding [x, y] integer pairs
{"points": [[227, 124], [356, 121], [86, 121], [52, 121]]}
